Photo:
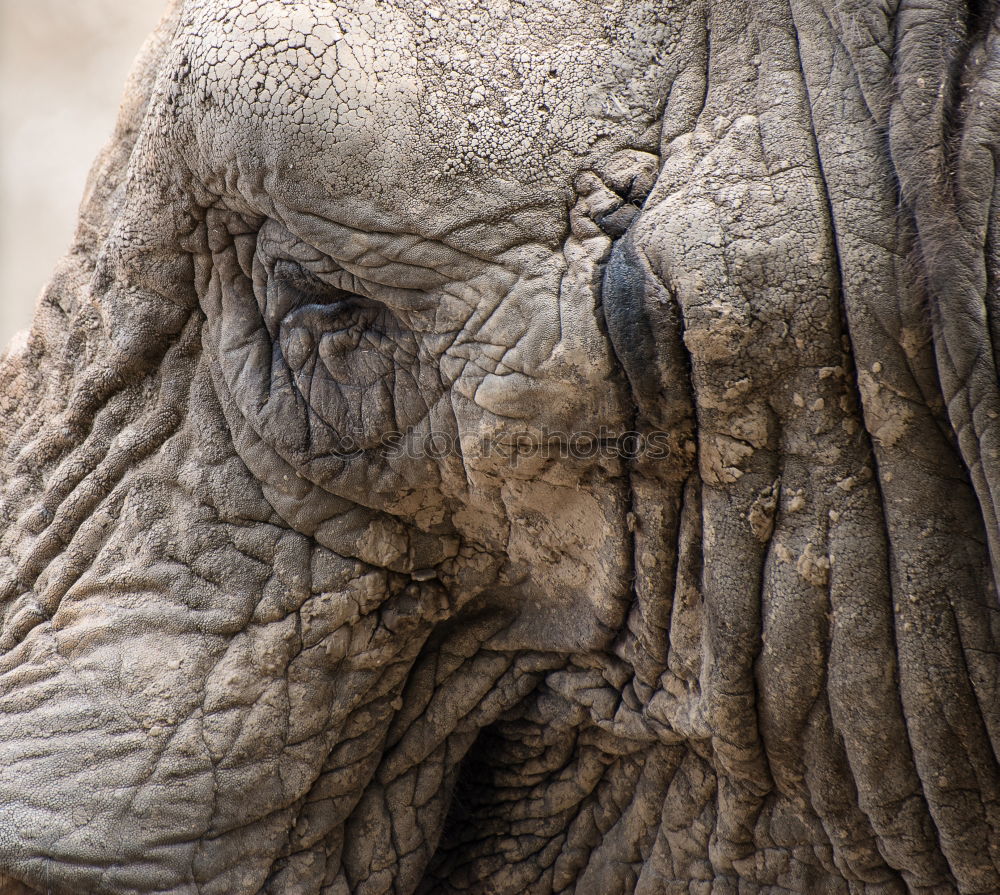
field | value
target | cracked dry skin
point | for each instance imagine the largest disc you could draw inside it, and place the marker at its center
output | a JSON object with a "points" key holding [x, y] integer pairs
{"points": [[253, 639]]}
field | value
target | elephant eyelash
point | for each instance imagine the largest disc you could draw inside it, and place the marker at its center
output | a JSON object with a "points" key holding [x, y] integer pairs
{"points": [[301, 296], [294, 274], [338, 285], [292, 287], [311, 286], [303, 279]]}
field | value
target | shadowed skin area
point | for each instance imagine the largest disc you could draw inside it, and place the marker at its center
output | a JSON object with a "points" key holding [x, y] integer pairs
{"points": [[285, 606]]}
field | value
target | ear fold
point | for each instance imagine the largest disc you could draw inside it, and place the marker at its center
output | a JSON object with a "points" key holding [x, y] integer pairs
{"points": [[918, 306], [944, 135], [847, 643]]}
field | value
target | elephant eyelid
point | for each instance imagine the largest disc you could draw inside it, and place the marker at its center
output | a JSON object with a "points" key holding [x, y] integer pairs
{"points": [[300, 285], [403, 288], [301, 278], [321, 286], [332, 277]]}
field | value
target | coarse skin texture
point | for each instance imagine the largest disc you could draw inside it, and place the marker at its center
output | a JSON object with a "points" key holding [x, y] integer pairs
{"points": [[253, 641]]}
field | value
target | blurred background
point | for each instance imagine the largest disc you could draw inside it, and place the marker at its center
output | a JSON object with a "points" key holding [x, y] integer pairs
{"points": [[62, 68]]}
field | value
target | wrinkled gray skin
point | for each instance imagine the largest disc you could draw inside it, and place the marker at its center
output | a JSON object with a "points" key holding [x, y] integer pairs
{"points": [[237, 656]]}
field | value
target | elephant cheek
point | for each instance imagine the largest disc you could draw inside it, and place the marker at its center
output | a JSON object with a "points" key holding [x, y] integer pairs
{"points": [[177, 723], [573, 548]]}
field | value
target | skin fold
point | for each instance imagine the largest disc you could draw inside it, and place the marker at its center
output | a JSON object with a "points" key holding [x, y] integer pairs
{"points": [[292, 602]]}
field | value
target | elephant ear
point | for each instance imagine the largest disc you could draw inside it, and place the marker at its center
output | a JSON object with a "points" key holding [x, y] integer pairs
{"points": [[916, 241], [944, 137], [100, 328], [37, 368], [843, 660], [38, 362]]}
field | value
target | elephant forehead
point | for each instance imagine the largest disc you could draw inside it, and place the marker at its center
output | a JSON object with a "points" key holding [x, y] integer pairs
{"points": [[375, 98]]}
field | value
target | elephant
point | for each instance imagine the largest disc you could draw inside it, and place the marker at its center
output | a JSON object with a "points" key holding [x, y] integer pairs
{"points": [[516, 448]]}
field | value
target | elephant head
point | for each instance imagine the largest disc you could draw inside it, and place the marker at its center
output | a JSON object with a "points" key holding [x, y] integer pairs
{"points": [[505, 448]]}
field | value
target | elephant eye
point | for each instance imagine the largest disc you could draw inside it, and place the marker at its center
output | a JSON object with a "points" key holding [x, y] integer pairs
{"points": [[297, 295], [314, 319], [297, 286]]}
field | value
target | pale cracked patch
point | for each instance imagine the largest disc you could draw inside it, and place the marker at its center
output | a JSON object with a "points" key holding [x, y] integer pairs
{"points": [[761, 512], [722, 458], [887, 414], [813, 566]]}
